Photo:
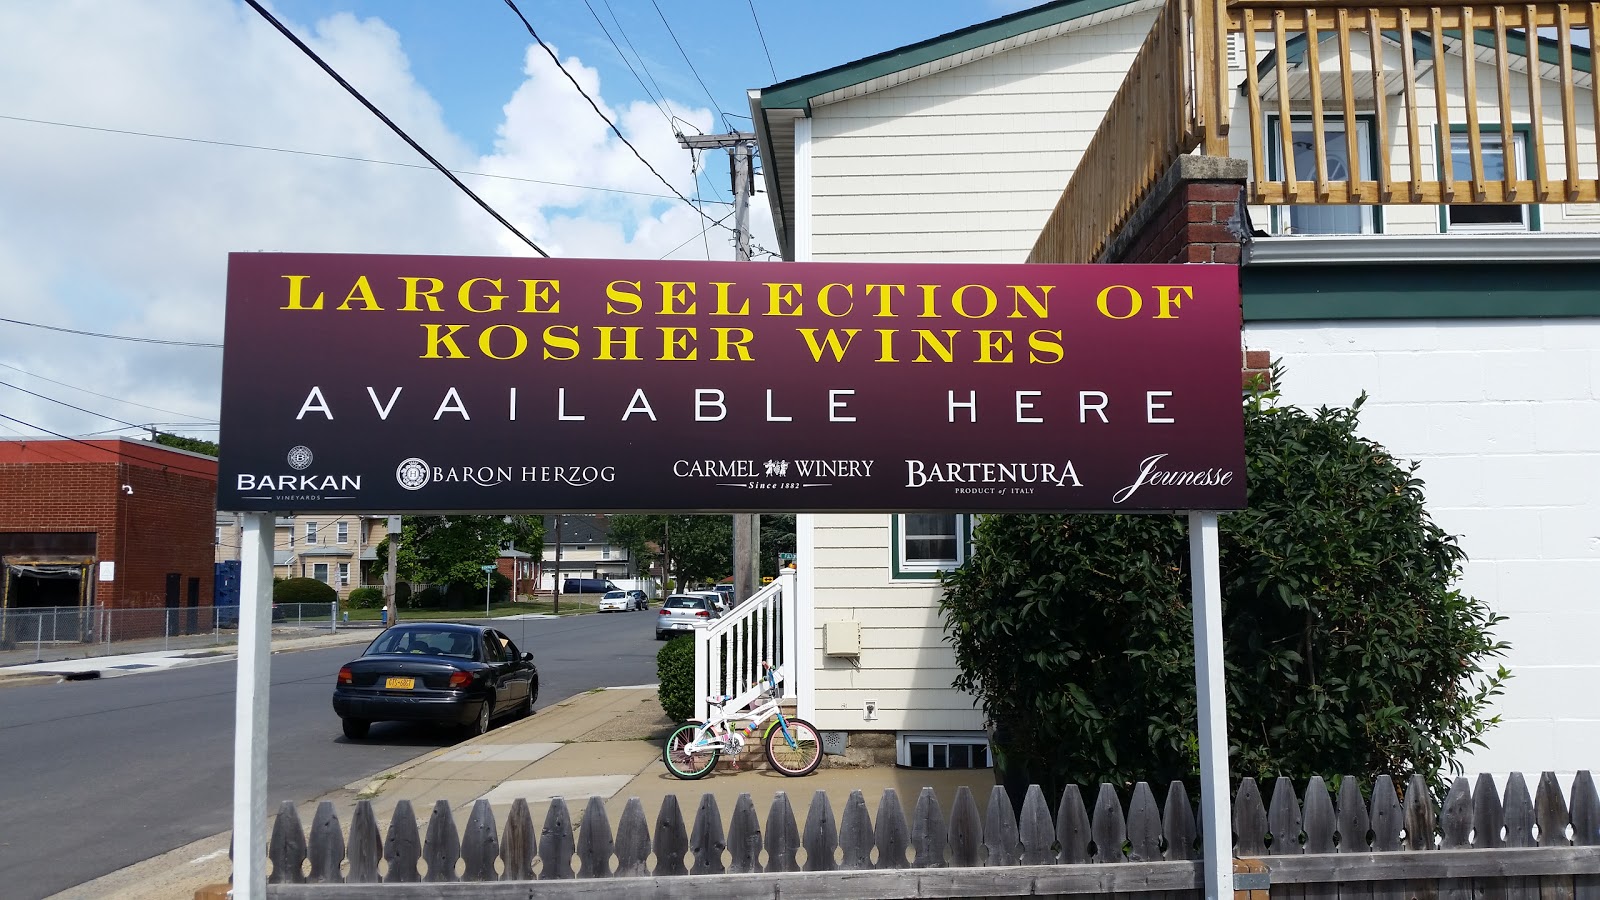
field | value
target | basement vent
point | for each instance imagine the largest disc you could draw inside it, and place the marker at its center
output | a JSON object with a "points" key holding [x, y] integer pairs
{"points": [[944, 751]]}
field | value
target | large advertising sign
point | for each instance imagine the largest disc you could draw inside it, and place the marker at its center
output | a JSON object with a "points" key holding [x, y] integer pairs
{"points": [[410, 384]]}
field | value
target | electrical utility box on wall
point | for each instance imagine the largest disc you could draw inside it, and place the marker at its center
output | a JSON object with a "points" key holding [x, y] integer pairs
{"points": [[841, 638]]}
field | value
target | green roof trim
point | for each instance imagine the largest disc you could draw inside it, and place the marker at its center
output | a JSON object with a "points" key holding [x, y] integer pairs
{"points": [[1420, 291], [796, 93]]}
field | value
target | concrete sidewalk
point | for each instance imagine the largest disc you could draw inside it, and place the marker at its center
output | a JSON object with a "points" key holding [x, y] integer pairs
{"points": [[604, 743]]}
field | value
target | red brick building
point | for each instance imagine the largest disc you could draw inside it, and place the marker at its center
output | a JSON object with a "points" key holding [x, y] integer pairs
{"points": [[114, 524]]}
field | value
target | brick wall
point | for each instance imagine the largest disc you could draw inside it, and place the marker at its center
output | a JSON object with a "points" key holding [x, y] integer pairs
{"points": [[166, 525], [1194, 214]]}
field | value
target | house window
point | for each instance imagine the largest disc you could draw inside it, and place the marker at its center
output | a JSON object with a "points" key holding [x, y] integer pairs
{"points": [[1491, 216], [944, 751], [605, 552], [319, 571], [219, 535], [1322, 218], [344, 533], [311, 532], [344, 574], [926, 544]]}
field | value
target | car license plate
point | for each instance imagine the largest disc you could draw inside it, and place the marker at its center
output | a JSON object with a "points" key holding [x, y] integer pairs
{"points": [[402, 684]]}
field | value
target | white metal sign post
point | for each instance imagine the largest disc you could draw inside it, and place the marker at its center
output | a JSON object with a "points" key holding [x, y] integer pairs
{"points": [[253, 686], [1216, 815]]}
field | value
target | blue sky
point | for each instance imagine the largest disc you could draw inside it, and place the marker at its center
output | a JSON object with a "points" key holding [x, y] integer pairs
{"points": [[147, 139]]}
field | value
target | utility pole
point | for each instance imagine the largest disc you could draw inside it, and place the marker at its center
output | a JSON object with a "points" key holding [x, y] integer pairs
{"points": [[739, 144], [389, 573]]}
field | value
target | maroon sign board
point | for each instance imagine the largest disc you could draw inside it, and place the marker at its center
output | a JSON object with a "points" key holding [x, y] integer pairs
{"points": [[428, 384]]}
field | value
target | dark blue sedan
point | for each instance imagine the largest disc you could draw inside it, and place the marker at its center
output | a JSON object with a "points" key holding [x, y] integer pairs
{"points": [[449, 674]]}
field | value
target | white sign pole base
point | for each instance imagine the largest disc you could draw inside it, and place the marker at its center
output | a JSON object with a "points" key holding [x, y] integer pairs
{"points": [[1216, 808], [250, 709]]}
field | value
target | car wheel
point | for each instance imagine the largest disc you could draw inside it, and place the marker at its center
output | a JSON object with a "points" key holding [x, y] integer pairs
{"points": [[480, 725], [355, 729], [533, 697]]}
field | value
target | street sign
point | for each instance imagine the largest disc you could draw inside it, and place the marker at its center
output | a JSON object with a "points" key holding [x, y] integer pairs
{"points": [[785, 557], [487, 568]]}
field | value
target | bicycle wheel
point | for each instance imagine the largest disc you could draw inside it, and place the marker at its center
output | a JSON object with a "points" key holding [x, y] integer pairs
{"points": [[682, 764], [797, 751]]}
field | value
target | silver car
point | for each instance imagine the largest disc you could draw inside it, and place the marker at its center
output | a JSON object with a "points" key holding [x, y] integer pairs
{"points": [[683, 613]]}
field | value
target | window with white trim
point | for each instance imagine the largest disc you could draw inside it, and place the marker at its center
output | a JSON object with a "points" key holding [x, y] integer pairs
{"points": [[343, 535], [319, 571], [1488, 216], [311, 532], [944, 751], [930, 542], [344, 574]]}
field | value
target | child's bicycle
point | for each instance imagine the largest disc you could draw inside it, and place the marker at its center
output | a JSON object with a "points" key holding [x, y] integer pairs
{"points": [[793, 745]]}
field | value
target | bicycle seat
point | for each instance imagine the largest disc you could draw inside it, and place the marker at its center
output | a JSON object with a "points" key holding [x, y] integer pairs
{"points": [[718, 699]]}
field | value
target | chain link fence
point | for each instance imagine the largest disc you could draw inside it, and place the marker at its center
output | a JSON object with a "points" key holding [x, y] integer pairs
{"points": [[73, 632]]}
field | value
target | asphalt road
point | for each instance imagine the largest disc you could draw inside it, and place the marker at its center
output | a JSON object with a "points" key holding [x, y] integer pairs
{"points": [[99, 775]]}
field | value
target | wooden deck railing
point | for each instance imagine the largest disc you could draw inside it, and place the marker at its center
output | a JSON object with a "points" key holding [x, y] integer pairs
{"points": [[1440, 33], [1410, 70], [1524, 842]]}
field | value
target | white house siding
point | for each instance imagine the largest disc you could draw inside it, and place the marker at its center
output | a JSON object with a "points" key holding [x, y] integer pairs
{"points": [[1419, 219], [904, 664], [1504, 419], [966, 164]]}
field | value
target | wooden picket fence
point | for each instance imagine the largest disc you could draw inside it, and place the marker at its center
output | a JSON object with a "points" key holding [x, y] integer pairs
{"points": [[1479, 844]]}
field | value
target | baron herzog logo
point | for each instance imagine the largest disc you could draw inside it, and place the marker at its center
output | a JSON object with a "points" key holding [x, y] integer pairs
{"points": [[1150, 474], [413, 473], [920, 473]]}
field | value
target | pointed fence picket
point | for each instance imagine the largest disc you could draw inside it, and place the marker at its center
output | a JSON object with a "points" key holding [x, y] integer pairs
{"points": [[1318, 841]]}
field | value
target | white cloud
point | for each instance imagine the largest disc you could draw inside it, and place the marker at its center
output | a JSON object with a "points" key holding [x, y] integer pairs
{"points": [[125, 234]]}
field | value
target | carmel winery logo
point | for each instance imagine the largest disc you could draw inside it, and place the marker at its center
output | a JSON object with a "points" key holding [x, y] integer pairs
{"points": [[1151, 473]]}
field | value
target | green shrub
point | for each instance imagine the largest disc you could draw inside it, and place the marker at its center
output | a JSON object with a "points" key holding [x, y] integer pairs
{"points": [[303, 590], [430, 597], [365, 598], [675, 669], [1348, 651]]}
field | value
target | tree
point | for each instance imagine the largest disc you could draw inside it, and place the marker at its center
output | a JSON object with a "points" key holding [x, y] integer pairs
{"points": [[702, 547], [777, 536], [194, 445], [1347, 650], [442, 550], [639, 536]]}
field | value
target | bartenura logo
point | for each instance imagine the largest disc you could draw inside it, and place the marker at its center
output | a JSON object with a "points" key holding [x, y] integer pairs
{"points": [[413, 474], [991, 477], [772, 474], [1150, 473]]}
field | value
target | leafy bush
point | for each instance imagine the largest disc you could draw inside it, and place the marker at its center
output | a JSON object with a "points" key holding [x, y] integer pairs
{"points": [[1347, 651], [365, 598], [430, 597], [303, 590], [675, 669]]}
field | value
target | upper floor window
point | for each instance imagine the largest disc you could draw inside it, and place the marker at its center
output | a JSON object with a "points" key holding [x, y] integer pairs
{"points": [[605, 552], [311, 532], [928, 543], [343, 534], [1490, 216], [1322, 218]]}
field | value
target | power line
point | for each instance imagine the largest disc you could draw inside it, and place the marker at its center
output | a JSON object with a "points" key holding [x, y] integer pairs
{"points": [[607, 32], [686, 59], [692, 237], [636, 54], [69, 405], [105, 396], [596, 107], [762, 35], [361, 159], [164, 466], [256, 5], [117, 337]]}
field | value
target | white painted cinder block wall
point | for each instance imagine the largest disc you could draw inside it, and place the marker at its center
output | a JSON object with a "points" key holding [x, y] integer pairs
{"points": [[1504, 417]]}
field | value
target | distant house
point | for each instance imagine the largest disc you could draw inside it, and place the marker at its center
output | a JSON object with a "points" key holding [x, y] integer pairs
{"points": [[340, 551], [584, 550]]}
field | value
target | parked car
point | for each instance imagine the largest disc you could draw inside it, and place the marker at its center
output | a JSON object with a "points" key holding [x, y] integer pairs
{"points": [[465, 675], [617, 601], [682, 613], [640, 599], [587, 586], [726, 590], [716, 597]]}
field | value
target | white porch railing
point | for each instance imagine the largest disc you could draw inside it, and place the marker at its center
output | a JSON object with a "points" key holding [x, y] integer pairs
{"points": [[728, 655]]}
